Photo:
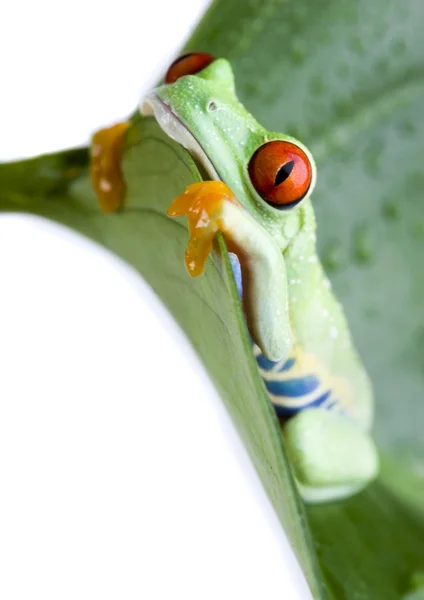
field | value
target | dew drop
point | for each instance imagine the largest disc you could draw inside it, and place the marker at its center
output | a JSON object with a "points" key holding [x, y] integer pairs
{"points": [[399, 46], [372, 157], [332, 258], [298, 51], [406, 128], [343, 108], [290, 229], [370, 312], [418, 229], [390, 210], [317, 85], [334, 332], [343, 70], [357, 45], [362, 245], [251, 88], [382, 66]]}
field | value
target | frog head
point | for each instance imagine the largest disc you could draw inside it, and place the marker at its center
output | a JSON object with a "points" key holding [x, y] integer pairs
{"points": [[269, 173]]}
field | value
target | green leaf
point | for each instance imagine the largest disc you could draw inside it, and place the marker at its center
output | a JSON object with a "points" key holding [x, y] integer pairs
{"points": [[208, 308], [347, 79]]}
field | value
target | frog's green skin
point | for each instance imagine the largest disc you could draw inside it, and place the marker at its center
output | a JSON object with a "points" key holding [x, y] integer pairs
{"points": [[332, 453]]}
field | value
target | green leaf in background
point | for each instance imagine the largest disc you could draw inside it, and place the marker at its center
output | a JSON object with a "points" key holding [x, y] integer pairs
{"points": [[347, 78]]}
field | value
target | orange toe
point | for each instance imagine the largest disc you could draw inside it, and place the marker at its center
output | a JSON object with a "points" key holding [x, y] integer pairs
{"points": [[105, 167], [202, 203]]}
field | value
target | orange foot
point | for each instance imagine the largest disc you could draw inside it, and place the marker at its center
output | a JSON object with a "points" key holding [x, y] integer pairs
{"points": [[203, 203], [105, 167]]}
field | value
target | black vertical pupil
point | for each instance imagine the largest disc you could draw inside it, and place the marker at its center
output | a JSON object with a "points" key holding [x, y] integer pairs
{"points": [[284, 172]]}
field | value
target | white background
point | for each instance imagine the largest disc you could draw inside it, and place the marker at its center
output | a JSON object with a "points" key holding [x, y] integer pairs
{"points": [[121, 475]]}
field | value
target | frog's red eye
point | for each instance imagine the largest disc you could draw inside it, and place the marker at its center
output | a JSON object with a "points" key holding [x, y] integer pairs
{"points": [[281, 173], [188, 64]]}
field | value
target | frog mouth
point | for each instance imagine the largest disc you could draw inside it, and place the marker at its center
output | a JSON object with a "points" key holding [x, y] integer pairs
{"points": [[152, 105]]}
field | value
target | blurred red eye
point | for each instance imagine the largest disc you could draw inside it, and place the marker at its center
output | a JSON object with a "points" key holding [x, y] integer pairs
{"points": [[188, 64], [281, 173]]}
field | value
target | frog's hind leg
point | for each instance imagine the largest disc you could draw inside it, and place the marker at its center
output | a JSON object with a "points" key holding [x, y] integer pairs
{"points": [[331, 456]]}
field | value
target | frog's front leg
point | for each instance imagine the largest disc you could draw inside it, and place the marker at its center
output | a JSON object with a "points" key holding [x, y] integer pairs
{"points": [[211, 207], [332, 457]]}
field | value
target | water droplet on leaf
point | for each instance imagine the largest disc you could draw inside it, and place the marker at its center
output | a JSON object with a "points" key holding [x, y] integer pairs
{"points": [[298, 51], [370, 312], [362, 245], [372, 157], [399, 46], [357, 45], [418, 229], [390, 210], [332, 257], [343, 108], [407, 127], [317, 85]]}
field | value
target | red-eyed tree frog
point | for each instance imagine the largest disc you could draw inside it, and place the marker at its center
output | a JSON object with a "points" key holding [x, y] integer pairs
{"points": [[259, 197]]}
